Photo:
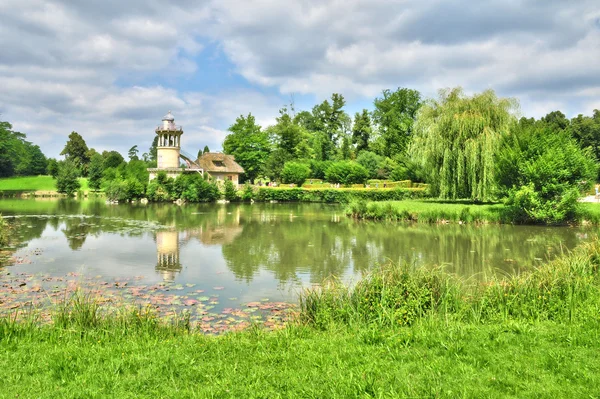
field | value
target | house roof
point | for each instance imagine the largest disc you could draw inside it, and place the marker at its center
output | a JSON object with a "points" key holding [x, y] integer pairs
{"points": [[218, 162]]}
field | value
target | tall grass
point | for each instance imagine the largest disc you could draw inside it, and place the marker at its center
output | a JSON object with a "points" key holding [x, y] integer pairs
{"points": [[426, 211], [81, 312], [397, 295]]}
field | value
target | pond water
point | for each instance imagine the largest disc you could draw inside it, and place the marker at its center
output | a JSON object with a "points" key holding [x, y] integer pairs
{"points": [[224, 256]]}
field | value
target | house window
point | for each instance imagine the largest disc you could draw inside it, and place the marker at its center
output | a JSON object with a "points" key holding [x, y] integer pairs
{"points": [[218, 163], [229, 177]]}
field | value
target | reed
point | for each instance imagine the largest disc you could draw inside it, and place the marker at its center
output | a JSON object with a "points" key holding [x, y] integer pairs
{"points": [[400, 295]]}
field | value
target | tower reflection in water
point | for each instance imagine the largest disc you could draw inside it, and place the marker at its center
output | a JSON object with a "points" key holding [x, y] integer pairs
{"points": [[167, 253], [222, 229]]}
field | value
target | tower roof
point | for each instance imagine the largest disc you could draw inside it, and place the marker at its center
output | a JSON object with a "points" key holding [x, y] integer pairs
{"points": [[168, 117]]}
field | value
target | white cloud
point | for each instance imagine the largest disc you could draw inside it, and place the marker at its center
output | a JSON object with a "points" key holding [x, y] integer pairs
{"points": [[68, 65]]}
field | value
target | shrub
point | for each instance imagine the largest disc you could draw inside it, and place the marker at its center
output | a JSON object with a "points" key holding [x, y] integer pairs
{"points": [[295, 172], [66, 181], [542, 172], [346, 173], [230, 192], [337, 195], [247, 192]]}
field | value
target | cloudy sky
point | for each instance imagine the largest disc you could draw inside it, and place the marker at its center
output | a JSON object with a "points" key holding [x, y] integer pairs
{"points": [[111, 69]]}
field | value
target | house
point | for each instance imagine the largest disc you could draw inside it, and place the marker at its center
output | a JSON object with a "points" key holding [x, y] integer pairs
{"points": [[220, 166]]}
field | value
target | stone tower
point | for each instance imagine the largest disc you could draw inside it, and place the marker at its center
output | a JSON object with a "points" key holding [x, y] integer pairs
{"points": [[169, 143]]}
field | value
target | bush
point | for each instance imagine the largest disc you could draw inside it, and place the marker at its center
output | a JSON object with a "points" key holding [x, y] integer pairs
{"points": [[66, 181], [542, 173], [230, 192], [346, 173], [337, 195], [247, 192], [295, 172]]}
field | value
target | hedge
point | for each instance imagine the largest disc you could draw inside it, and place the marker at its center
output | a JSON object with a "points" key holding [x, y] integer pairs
{"points": [[342, 195]]}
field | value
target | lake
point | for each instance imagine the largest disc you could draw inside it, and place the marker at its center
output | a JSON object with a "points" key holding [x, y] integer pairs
{"points": [[216, 258]]}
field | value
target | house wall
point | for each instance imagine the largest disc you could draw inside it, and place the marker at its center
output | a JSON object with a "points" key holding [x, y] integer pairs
{"points": [[222, 176]]}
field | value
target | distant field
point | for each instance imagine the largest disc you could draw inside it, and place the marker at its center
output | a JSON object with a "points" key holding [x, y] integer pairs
{"points": [[34, 183]]}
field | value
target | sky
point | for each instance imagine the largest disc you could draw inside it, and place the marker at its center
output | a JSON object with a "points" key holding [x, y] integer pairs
{"points": [[111, 70]]}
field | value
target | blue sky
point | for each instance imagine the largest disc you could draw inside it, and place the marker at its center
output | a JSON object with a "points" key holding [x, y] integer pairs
{"points": [[111, 69]]}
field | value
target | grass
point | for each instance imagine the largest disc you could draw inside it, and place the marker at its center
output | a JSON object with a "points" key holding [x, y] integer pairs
{"points": [[433, 211], [35, 183], [399, 332], [426, 211]]}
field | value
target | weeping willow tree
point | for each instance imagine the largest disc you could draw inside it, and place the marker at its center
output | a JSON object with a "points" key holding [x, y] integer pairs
{"points": [[455, 140]]}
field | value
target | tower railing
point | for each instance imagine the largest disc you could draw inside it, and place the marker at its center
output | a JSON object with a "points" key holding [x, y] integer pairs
{"points": [[173, 128]]}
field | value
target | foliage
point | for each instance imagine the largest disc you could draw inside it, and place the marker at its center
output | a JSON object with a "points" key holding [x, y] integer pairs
{"points": [[76, 151], [112, 159], [362, 131], [318, 168], [249, 145], [193, 187], [247, 192], [66, 181], [133, 153], [427, 212], [543, 172], [341, 195], [153, 150], [290, 141], [229, 191], [95, 172], [394, 116], [371, 162], [586, 130], [295, 172], [17, 155], [52, 168], [328, 120], [456, 138], [346, 172]]}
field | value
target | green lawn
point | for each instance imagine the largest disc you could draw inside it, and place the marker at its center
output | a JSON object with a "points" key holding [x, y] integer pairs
{"points": [[34, 183], [430, 359]]}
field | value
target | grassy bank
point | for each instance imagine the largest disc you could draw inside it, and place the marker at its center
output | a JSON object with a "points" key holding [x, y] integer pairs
{"points": [[431, 211], [34, 183], [398, 332], [426, 211]]}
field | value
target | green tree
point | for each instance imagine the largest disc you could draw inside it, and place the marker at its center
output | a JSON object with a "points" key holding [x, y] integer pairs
{"points": [[346, 173], [371, 162], [586, 130], [133, 153], [52, 168], [362, 131], [112, 159], [229, 191], [95, 172], [455, 140], [327, 123], [205, 150], [66, 181], [249, 145], [542, 170], [153, 151], [394, 115], [295, 173], [76, 151]]}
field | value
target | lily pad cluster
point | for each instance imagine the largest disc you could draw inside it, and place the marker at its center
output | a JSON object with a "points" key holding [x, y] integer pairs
{"points": [[23, 293]]}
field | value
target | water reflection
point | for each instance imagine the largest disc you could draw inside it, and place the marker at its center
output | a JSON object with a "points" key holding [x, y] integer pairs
{"points": [[282, 243], [167, 253]]}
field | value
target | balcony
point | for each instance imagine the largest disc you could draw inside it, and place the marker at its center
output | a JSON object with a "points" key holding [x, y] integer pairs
{"points": [[168, 128]]}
